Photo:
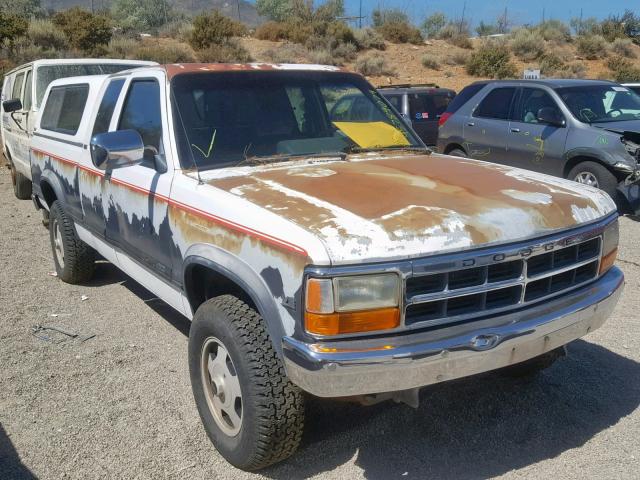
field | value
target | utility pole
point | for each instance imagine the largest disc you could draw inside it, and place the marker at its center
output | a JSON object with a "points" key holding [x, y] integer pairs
{"points": [[464, 8], [360, 15], [238, 5], [543, 15]]}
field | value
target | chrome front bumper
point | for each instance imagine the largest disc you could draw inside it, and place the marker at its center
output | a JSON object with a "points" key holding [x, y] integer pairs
{"points": [[376, 365]]}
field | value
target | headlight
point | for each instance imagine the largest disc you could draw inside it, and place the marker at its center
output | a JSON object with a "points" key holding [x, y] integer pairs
{"points": [[352, 304], [610, 239]]}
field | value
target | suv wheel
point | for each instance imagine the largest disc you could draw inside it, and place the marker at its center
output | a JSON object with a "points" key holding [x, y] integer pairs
{"points": [[456, 152], [250, 410], [74, 260], [595, 175]]}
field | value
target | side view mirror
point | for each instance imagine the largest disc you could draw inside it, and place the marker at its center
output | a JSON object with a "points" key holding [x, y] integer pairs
{"points": [[119, 149], [550, 116], [12, 105]]}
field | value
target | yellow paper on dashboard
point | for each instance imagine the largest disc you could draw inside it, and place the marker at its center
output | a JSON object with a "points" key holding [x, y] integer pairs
{"points": [[373, 134]]}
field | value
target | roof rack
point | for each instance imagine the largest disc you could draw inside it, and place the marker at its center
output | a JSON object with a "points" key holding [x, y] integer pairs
{"points": [[410, 85]]}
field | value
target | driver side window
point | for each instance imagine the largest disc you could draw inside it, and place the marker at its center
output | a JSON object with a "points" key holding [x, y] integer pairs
{"points": [[531, 102], [141, 112]]}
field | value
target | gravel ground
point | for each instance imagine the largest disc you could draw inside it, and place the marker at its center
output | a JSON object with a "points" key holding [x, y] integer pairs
{"points": [[119, 405]]}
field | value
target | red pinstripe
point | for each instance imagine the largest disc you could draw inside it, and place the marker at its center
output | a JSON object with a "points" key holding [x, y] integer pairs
{"points": [[188, 208]]}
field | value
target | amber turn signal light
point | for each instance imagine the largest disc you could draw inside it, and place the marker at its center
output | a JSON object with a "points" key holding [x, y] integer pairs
{"points": [[352, 322], [608, 260]]}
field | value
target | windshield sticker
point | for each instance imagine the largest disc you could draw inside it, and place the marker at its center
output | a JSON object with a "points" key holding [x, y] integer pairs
{"points": [[206, 155], [620, 89], [602, 140], [422, 115], [373, 134]]}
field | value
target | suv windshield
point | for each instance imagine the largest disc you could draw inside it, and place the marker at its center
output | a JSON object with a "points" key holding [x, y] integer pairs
{"points": [[48, 73], [226, 118], [601, 103]]}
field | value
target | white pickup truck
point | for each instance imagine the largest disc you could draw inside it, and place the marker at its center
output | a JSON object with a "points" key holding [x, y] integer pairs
{"points": [[314, 251]]}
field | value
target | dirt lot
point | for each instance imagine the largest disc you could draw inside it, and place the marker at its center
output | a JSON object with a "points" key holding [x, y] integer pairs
{"points": [[119, 405]]}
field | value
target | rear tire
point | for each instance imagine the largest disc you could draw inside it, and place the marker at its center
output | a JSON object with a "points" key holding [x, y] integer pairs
{"points": [[595, 175], [456, 152], [250, 410], [74, 260]]}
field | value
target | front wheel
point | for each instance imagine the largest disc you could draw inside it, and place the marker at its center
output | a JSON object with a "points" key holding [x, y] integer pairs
{"points": [[595, 175], [250, 410], [456, 152]]}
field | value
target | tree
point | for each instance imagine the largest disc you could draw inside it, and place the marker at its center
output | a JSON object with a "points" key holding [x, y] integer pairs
{"points": [[22, 8], [392, 15], [85, 31], [141, 15], [329, 11], [277, 10], [11, 28], [433, 24]]}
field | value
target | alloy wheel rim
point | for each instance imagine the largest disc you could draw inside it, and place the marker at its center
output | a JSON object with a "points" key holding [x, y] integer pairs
{"points": [[221, 386], [587, 178], [58, 247]]}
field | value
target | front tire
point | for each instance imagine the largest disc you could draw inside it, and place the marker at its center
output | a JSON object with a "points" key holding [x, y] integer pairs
{"points": [[250, 410], [595, 175], [74, 260], [456, 152]]}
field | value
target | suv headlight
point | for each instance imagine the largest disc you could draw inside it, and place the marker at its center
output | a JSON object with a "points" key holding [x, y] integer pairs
{"points": [[610, 239], [352, 304]]}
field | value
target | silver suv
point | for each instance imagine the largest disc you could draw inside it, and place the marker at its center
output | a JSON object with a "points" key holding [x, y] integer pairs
{"points": [[583, 130]]}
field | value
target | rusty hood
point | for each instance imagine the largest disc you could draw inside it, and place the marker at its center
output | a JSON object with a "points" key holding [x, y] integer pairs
{"points": [[381, 207]]}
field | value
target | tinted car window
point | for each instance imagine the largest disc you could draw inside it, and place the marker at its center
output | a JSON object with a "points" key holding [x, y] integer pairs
{"points": [[496, 104], [531, 101], [107, 106], [141, 112], [601, 103], [63, 110], [396, 101], [464, 96], [427, 106]]}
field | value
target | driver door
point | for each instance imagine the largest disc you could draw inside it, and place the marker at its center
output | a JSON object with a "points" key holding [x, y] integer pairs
{"points": [[135, 199]]}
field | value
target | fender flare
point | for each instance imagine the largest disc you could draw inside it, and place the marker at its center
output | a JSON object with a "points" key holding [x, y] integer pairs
{"points": [[238, 271], [48, 176], [600, 156]]}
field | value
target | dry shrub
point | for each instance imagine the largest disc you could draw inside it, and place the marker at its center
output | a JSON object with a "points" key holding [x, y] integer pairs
{"points": [[177, 29], [373, 65], [623, 70], [345, 52], [572, 70], [168, 52], [272, 31], [591, 47], [526, 44], [122, 47], [44, 33], [400, 32], [623, 47], [368, 38], [287, 53], [551, 63], [230, 51], [431, 62], [322, 57], [461, 41], [211, 28]]}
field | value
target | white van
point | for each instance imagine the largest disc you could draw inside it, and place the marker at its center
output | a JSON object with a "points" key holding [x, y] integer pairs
{"points": [[22, 92]]}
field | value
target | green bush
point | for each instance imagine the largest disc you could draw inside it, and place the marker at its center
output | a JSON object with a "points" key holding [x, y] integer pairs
{"points": [[123, 47], [12, 27], [84, 30], [373, 65], [433, 24], [322, 57], [400, 32], [491, 60], [214, 28], [591, 47], [554, 31], [177, 29], [273, 31], [141, 15], [45, 34], [164, 53], [623, 70], [623, 47], [526, 44], [431, 62], [339, 32], [368, 38], [230, 51], [572, 70], [345, 52]]}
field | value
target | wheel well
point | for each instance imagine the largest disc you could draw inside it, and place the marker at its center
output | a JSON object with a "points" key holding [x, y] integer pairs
{"points": [[453, 146], [202, 283], [48, 194]]}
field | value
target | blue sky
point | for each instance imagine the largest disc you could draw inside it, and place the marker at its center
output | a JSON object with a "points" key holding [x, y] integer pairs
{"points": [[521, 11]]}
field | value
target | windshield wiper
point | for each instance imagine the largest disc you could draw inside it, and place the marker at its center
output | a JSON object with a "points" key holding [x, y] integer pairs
{"points": [[262, 160]]}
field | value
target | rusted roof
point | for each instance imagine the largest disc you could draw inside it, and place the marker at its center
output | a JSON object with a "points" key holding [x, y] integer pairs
{"points": [[179, 68]]}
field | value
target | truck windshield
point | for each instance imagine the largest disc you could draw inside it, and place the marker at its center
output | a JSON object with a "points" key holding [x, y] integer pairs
{"points": [[226, 118], [601, 103], [48, 73]]}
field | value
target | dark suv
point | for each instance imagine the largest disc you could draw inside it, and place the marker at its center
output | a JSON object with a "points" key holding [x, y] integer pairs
{"points": [[422, 105], [584, 130]]}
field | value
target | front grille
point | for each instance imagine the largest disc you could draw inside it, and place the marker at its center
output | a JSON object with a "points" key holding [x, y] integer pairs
{"points": [[468, 293]]}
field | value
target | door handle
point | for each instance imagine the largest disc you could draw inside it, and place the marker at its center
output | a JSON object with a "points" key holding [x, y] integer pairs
{"points": [[471, 124], [515, 130]]}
